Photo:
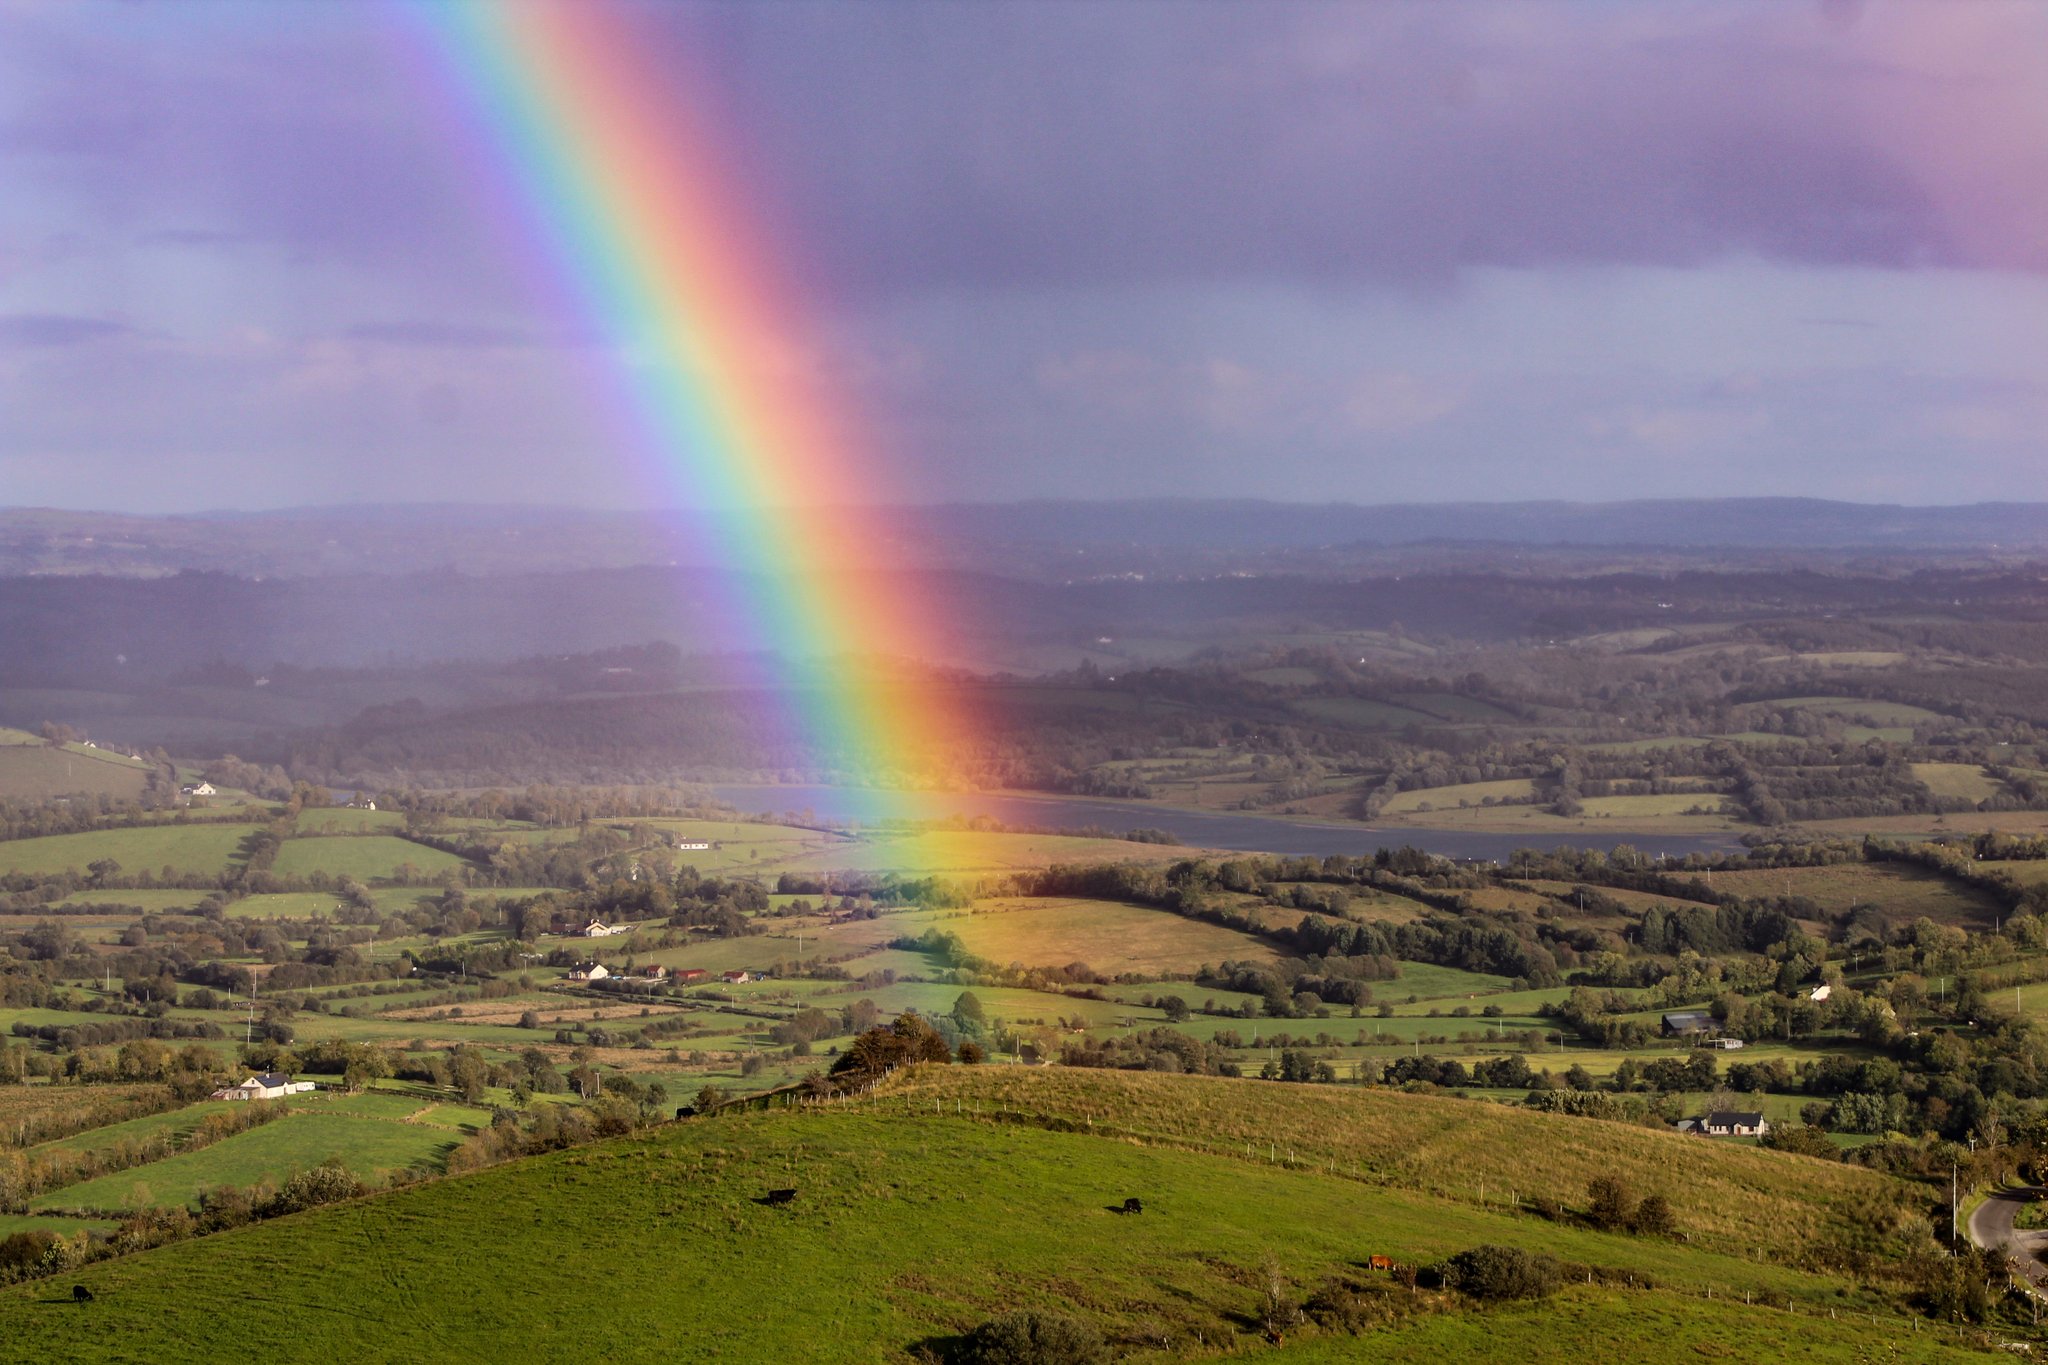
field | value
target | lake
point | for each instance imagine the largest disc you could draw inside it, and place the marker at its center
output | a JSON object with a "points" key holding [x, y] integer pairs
{"points": [[1237, 830]]}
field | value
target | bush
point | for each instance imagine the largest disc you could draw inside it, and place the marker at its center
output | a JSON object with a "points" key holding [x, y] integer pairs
{"points": [[1030, 1337], [1611, 1203], [1653, 1217], [1497, 1272], [1806, 1139], [326, 1183]]}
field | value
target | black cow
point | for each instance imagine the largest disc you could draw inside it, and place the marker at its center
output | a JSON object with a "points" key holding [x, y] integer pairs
{"points": [[81, 1294], [781, 1196], [1132, 1205]]}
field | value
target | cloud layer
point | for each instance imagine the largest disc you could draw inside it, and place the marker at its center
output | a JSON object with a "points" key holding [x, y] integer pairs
{"points": [[1330, 251]]}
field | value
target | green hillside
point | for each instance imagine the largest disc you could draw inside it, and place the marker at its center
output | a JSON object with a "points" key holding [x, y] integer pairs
{"points": [[941, 1203]]}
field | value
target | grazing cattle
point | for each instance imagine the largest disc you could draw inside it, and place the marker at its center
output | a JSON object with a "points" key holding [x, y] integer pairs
{"points": [[81, 1294], [1132, 1205], [781, 1196], [1381, 1263]]}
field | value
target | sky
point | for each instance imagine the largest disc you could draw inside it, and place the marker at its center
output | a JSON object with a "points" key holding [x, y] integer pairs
{"points": [[255, 254]]}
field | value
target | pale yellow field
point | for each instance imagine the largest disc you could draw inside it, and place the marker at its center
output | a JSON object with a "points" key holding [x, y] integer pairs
{"points": [[1965, 780], [1464, 794], [1107, 935]]}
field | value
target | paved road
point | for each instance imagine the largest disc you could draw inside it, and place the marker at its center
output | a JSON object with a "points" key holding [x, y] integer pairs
{"points": [[1991, 1227]]}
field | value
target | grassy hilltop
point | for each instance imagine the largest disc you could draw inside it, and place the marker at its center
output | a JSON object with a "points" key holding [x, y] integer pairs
{"points": [[941, 1202]]}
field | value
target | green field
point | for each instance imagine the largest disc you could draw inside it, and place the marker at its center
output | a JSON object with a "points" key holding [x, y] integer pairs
{"points": [[372, 1147], [204, 848], [348, 820], [1362, 714], [912, 1224], [307, 904], [367, 857], [144, 900], [1888, 714]]}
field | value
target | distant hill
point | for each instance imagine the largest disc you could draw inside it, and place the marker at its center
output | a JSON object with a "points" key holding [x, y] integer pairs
{"points": [[999, 537]]}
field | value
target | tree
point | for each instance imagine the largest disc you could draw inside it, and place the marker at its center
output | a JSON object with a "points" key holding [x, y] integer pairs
{"points": [[970, 1053], [1176, 1008], [874, 1054], [1278, 1310]]}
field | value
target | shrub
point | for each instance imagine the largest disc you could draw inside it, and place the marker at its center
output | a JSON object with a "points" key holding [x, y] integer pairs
{"points": [[1030, 1337], [1611, 1203], [327, 1183], [1653, 1217], [1498, 1272], [1805, 1139]]}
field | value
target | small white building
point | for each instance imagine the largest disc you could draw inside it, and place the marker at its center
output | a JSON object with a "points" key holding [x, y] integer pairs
{"points": [[198, 789], [595, 971], [270, 1085], [1820, 992], [597, 928]]}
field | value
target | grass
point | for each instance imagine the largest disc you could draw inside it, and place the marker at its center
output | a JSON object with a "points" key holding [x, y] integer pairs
{"points": [[202, 848], [368, 857], [913, 1224]]}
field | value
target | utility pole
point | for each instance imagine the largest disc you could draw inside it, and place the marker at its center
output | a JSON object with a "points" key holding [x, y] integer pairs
{"points": [[1952, 1204]]}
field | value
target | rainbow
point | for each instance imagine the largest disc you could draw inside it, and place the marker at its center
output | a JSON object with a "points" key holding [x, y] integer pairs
{"points": [[656, 245]]}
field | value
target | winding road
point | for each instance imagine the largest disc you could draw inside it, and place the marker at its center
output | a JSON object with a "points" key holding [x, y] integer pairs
{"points": [[1991, 1228]]}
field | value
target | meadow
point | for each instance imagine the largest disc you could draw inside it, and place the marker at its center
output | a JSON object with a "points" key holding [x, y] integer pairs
{"points": [[196, 847], [374, 1135], [944, 1201], [366, 857]]}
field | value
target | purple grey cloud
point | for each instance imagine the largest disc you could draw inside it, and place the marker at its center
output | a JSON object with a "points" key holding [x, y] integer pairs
{"points": [[55, 329]]}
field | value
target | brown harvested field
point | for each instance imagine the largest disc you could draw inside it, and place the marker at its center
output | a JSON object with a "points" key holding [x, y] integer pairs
{"points": [[1903, 891], [550, 1009], [1961, 823], [1637, 901], [1508, 898], [21, 1104]]}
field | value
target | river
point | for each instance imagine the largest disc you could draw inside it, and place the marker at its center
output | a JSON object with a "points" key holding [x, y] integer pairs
{"points": [[1237, 830]]}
